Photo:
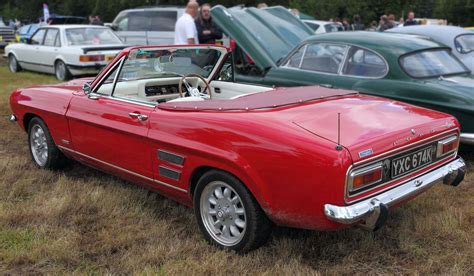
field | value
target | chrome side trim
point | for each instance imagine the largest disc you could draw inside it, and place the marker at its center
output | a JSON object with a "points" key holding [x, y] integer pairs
{"points": [[363, 210], [124, 170], [467, 138]]}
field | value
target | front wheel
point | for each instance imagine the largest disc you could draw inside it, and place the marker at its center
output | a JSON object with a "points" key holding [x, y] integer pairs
{"points": [[61, 71], [228, 215], [13, 64], [43, 150]]}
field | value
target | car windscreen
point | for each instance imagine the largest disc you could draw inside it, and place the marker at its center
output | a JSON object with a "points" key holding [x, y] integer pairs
{"points": [[333, 28], [159, 63], [91, 36], [432, 63], [464, 43]]}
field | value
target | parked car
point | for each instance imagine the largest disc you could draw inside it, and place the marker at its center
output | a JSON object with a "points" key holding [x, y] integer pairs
{"points": [[321, 27], [243, 156], [470, 29], [65, 50], [459, 39], [403, 67], [147, 26], [25, 32], [7, 34]]}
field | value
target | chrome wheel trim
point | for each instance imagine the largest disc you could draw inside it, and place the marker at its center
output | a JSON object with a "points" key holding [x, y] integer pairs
{"points": [[223, 213], [60, 70], [38, 145], [12, 63]]}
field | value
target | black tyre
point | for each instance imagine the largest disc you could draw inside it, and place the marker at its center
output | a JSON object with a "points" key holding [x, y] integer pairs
{"points": [[60, 71], [43, 150], [227, 213], [13, 64]]}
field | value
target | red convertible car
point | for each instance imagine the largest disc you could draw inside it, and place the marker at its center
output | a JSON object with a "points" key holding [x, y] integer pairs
{"points": [[245, 157]]}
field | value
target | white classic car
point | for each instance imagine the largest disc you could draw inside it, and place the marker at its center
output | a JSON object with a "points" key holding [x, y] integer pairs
{"points": [[65, 50], [320, 27], [457, 38]]}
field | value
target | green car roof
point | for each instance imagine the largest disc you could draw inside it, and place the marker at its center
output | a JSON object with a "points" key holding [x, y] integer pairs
{"points": [[384, 43]]}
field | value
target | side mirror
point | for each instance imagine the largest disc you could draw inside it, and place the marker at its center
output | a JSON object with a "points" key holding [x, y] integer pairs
{"points": [[86, 88]]}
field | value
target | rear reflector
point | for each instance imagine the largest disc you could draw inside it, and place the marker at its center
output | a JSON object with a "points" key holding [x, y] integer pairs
{"points": [[447, 146], [365, 176], [89, 58]]}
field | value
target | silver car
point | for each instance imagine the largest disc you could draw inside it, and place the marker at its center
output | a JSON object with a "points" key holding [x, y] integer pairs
{"points": [[147, 26], [457, 38]]}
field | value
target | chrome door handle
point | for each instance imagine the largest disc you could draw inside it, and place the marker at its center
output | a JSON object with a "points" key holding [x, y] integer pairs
{"points": [[139, 116]]}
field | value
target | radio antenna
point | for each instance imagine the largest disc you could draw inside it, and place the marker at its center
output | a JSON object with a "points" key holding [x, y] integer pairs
{"points": [[338, 147]]}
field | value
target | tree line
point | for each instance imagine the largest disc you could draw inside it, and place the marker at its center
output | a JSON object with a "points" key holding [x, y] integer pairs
{"points": [[457, 12]]}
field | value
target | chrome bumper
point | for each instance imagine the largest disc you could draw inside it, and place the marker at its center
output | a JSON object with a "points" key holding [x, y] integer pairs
{"points": [[12, 118], [372, 212], [467, 138]]}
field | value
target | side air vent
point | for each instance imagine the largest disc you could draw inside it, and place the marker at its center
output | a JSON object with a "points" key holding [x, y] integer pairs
{"points": [[169, 173], [170, 157]]}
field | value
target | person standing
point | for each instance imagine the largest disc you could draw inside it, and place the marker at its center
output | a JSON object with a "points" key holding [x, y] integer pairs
{"points": [[410, 20], [357, 25], [185, 31], [207, 31]]}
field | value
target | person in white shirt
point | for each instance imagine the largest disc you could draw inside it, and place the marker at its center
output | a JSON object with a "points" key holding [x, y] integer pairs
{"points": [[185, 31]]}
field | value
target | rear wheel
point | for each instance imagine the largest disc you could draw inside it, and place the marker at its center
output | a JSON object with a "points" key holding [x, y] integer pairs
{"points": [[13, 64], [61, 71], [228, 215], [43, 150]]}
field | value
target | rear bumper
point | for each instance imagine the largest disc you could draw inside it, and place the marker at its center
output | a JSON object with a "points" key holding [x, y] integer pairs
{"points": [[467, 138], [372, 212], [77, 70]]}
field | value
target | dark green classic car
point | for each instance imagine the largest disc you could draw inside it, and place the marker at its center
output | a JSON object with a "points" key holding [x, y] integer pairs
{"points": [[274, 50]]}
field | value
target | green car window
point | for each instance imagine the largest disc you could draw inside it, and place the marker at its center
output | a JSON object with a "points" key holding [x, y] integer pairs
{"points": [[295, 60], [432, 63], [364, 63], [322, 57]]}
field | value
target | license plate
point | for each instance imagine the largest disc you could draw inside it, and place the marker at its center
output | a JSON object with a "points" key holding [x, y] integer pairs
{"points": [[412, 161], [109, 58]]}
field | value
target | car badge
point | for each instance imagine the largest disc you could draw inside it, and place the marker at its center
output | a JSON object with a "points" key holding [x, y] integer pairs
{"points": [[365, 153], [413, 131]]}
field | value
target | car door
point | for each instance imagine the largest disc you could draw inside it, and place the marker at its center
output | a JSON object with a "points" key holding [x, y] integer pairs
{"points": [[111, 132], [28, 54], [50, 48]]}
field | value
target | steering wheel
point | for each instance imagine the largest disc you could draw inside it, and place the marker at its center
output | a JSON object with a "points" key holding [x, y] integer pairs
{"points": [[194, 91]]}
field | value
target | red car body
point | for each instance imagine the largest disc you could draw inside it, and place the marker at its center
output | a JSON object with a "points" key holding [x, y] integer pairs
{"points": [[292, 148]]}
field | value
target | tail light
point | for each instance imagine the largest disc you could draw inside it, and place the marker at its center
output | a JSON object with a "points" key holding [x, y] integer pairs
{"points": [[85, 58], [447, 146], [365, 177]]}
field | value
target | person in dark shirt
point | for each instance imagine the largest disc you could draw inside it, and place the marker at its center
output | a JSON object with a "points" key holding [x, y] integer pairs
{"points": [[357, 25], [207, 31], [410, 20]]}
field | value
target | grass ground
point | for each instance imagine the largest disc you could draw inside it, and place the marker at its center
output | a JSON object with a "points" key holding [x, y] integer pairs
{"points": [[81, 221]]}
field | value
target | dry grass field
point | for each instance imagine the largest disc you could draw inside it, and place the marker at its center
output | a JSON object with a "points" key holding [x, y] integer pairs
{"points": [[82, 221]]}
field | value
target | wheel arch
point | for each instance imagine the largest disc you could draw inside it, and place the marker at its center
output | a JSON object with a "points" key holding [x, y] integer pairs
{"points": [[27, 117], [257, 192]]}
